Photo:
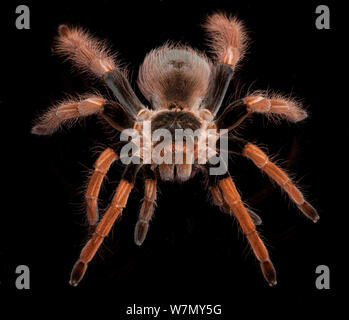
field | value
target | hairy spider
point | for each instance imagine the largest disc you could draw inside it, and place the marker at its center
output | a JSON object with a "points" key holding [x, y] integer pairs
{"points": [[185, 90]]}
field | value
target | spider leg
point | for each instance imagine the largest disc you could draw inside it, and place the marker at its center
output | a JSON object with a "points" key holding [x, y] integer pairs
{"points": [[228, 42], [104, 226], [275, 105], [121, 88], [147, 208], [233, 200], [218, 88], [227, 38], [92, 55], [84, 51], [69, 111], [101, 167], [233, 115], [261, 160], [239, 110], [66, 113], [116, 116], [218, 200]]}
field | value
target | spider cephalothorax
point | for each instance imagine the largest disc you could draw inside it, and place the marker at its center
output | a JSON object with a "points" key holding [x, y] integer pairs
{"points": [[185, 91]]}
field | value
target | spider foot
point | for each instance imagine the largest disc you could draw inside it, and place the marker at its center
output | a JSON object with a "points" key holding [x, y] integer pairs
{"points": [[309, 211], [141, 231], [40, 130], [269, 272], [77, 273]]}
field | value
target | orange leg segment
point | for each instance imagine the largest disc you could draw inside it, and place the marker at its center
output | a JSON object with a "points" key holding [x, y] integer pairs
{"points": [[218, 200], [233, 199], [115, 209], [67, 112], [277, 106], [102, 165], [146, 211], [261, 160]]}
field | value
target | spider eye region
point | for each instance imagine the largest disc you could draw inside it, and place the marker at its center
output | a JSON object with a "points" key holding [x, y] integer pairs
{"points": [[177, 64]]}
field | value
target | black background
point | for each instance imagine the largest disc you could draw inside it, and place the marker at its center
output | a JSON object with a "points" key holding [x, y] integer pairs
{"points": [[193, 253]]}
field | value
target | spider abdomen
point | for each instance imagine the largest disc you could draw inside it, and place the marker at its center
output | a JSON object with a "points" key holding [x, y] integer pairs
{"points": [[175, 75]]}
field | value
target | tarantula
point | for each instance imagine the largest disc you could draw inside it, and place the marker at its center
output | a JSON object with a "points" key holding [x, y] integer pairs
{"points": [[185, 90]]}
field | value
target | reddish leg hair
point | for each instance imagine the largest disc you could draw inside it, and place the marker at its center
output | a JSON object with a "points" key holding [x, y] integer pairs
{"points": [[276, 106], [219, 201], [67, 112], [146, 211], [86, 52], [227, 38], [101, 167], [233, 199], [261, 160], [114, 211]]}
